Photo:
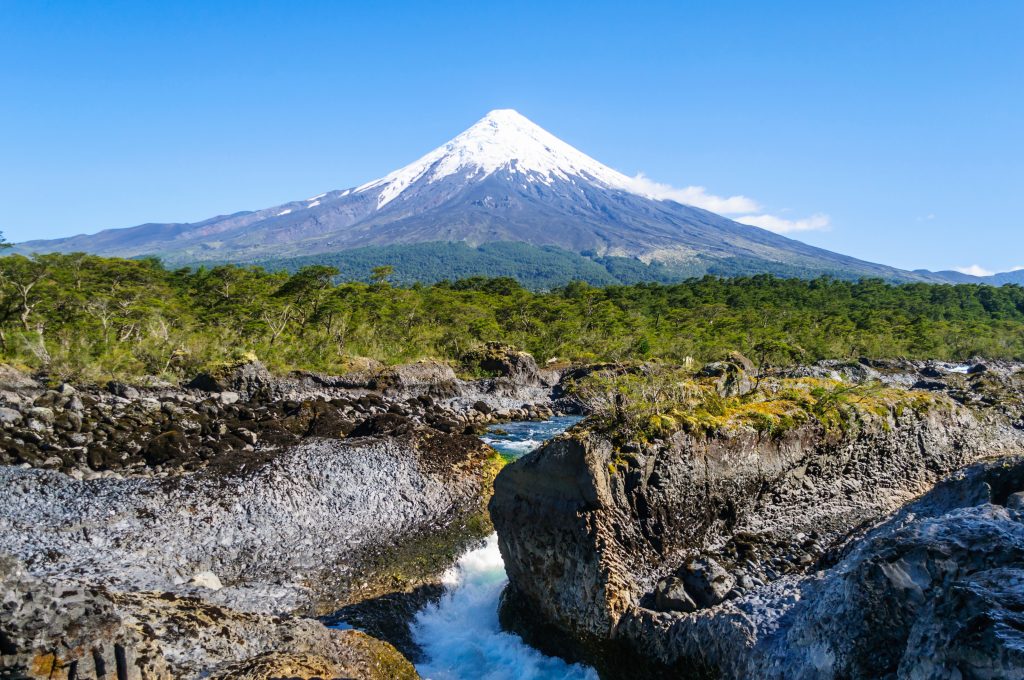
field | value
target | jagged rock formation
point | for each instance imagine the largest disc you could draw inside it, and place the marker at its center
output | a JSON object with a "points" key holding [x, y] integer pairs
{"points": [[934, 592], [692, 552], [149, 531], [122, 428], [66, 631], [506, 361]]}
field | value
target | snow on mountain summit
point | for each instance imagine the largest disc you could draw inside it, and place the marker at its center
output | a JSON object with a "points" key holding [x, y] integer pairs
{"points": [[504, 139]]}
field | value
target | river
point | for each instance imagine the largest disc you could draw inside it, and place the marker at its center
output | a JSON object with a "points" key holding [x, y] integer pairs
{"points": [[460, 635]]}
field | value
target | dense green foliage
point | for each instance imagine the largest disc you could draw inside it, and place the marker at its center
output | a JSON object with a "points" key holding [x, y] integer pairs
{"points": [[93, 317]]}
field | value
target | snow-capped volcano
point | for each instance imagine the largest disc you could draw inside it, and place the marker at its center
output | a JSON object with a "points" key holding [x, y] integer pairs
{"points": [[506, 140], [504, 179]]}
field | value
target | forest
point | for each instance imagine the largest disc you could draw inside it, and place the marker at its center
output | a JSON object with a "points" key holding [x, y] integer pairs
{"points": [[90, 318], [535, 267]]}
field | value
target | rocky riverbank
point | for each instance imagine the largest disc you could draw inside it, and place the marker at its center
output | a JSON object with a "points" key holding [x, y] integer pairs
{"points": [[119, 429], [157, 531], [758, 545], [779, 526]]}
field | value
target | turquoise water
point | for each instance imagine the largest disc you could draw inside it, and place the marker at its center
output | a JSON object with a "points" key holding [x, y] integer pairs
{"points": [[460, 634], [518, 439]]}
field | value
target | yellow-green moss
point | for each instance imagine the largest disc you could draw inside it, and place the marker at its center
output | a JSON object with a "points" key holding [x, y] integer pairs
{"points": [[641, 407]]}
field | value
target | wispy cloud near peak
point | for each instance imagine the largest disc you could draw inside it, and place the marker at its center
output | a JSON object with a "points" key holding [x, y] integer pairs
{"points": [[694, 195], [740, 208], [974, 270], [780, 225]]}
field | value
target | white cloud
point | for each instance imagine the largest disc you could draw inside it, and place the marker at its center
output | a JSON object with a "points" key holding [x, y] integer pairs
{"points": [[738, 206], [781, 225], [1017, 268], [974, 270], [693, 195]]}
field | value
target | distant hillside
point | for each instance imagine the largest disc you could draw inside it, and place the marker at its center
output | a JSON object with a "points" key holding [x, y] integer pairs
{"points": [[952, 276], [535, 267]]}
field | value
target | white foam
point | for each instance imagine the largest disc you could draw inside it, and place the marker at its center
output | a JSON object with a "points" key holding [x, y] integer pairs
{"points": [[522, 446], [462, 639]]}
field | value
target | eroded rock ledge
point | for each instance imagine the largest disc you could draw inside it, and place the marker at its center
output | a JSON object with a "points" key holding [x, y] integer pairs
{"points": [[152, 531], [119, 429], [750, 553], [63, 629]]}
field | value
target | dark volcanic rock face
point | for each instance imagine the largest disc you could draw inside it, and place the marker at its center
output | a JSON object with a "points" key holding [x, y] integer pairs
{"points": [[694, 552], [120, 429], [933, 592]]}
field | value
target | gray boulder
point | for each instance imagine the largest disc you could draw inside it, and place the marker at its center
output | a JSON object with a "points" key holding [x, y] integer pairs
{"points": [[504, 361], [249, 379], [670, 595], [706, 581], [423, 377], [40, 413], [732, 379], [13, 380], [122, 390]]}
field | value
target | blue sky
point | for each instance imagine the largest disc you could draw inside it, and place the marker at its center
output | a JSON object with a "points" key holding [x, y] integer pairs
{"points": [[901, 125]]}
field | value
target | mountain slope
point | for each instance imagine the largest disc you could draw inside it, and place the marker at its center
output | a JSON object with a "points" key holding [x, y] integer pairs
{"points": [[1001, 279], [504, 179]]}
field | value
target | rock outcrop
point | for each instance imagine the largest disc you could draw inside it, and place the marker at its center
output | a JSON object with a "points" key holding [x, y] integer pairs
{"points": [[66, 631], [127, 430], [690, 552], [505, 361], [734, 375], [194, 572], [933, 592], [301, 529], [149, 531]]}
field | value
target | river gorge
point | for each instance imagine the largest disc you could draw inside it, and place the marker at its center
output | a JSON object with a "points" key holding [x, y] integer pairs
{"points": [[410, 522], [461, 635]]}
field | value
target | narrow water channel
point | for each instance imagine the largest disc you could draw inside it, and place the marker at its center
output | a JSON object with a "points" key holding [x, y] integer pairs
{"points": [[460, 634]]}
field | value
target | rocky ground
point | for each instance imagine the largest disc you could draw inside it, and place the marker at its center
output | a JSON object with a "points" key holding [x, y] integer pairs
{"points": [[151, 531], [795, 554], [159, 531], [121, 429], [64, 629]]}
